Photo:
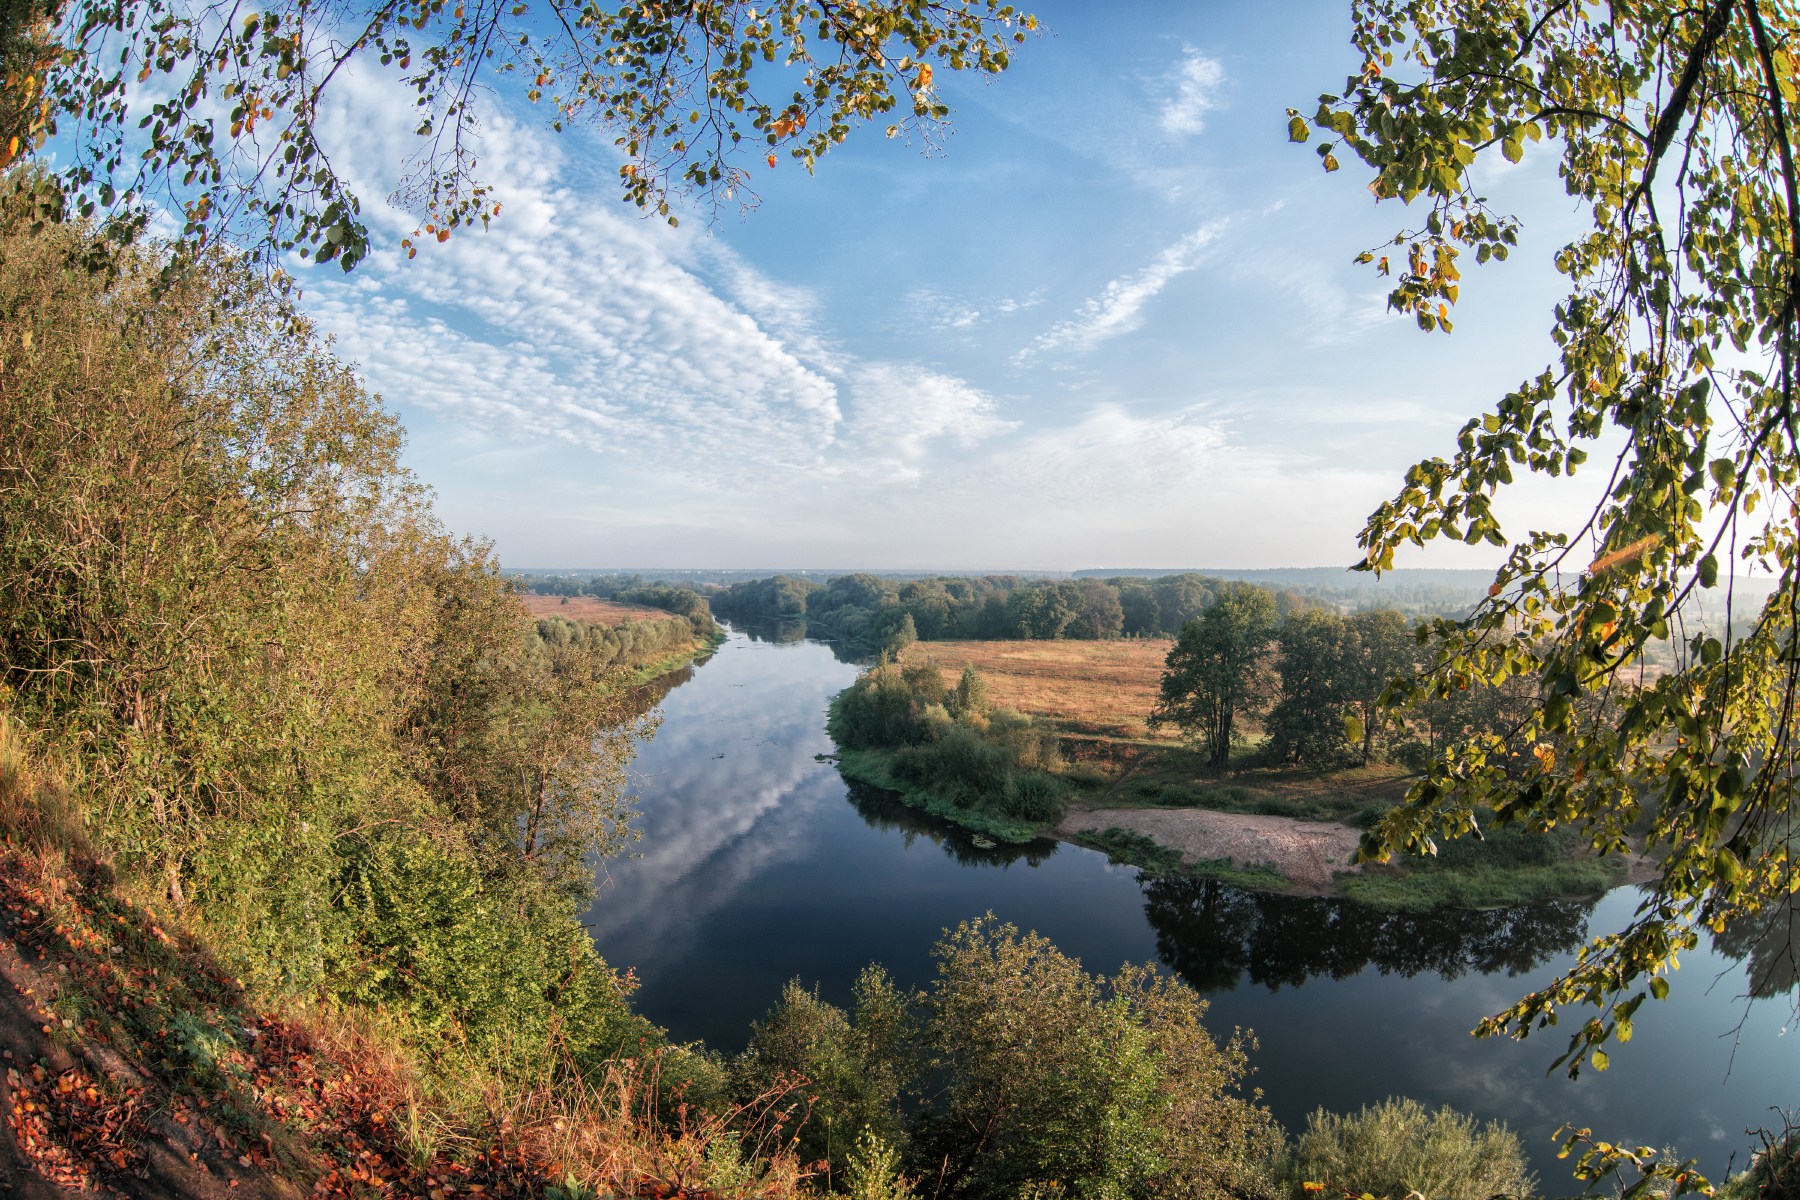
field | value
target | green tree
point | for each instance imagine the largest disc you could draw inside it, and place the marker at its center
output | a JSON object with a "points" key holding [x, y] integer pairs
{"points": [[1307, 724], [970, 698], [212, 112], [1075, 1084], [903, 635], [1216, 672], [1383, 650], [1673, 127]]}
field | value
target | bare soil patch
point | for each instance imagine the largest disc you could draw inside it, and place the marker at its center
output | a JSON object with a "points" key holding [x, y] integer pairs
{"points": [[592, 609], [1101, 687], [1309, 853]]}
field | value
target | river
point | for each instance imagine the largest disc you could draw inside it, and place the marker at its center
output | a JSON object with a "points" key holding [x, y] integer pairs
{"points": [[759, 865]]}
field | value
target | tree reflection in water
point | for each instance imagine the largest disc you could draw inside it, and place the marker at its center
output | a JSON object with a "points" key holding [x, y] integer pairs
{"points": [[782, 633], [1214, 934], [1765, 944], [883, 810]]}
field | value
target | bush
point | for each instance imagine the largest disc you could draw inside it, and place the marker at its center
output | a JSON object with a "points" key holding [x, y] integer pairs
{"points": [[1063, 1083], [1398, 1147], [849, 1068]]}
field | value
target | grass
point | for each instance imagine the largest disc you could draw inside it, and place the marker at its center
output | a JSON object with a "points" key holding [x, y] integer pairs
{"points": [[1098, 687], [1504, 868], [1131, 849], [872, 767]]}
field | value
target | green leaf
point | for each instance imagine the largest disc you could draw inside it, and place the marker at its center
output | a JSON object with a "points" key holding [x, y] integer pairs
{"points": [[1297, 130], [1709, 571]]}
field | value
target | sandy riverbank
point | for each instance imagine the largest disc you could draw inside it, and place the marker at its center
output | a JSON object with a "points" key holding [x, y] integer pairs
{"points": [[1308, 853]]}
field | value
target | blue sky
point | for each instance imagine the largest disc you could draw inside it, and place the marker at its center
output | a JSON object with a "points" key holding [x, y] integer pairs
{"points": [[1111, 321]]}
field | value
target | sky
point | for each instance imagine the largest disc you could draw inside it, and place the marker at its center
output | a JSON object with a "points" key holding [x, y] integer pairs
{"points": [[1112, 320]]}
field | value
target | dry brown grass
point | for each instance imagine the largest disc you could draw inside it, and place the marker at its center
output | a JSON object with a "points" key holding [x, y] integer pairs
{"points": [[591, 609], [1088, 687]]}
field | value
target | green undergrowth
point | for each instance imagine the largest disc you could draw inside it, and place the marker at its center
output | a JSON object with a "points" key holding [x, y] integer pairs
{"points": [[876, 767], [1504, 867], [1138, 850]]}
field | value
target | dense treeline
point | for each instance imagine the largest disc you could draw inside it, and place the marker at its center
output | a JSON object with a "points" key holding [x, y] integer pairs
{"points": [[874, 608], [325, 726]]}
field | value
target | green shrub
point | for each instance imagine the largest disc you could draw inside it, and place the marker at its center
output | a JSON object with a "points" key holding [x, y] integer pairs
{"points": [[1392, 1149], [847, 1069], [1034, 796], [1057, 1082]]}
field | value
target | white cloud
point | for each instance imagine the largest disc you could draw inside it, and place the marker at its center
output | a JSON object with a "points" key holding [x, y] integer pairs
{"points": [[948, 314], [897, 411], [1119, 306], [573, 320], [1193, 89]]}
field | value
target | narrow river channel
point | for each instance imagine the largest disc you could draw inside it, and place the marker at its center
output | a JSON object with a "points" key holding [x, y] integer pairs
{"points": [[758, 865]]}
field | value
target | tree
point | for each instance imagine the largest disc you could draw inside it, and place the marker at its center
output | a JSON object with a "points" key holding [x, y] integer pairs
{"points": [[1307, 723], [1215, 669], [1383, 649], [212, 112], [1674, 129]]}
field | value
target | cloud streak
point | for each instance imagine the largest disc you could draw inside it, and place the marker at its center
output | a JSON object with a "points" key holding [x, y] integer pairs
{"points": [[1118, 309], [1193, 92]]}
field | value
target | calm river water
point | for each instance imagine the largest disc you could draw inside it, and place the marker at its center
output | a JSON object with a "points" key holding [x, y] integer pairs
{"points": [[758, 865]]}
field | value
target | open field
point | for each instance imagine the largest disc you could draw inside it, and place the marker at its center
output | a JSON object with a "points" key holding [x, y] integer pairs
{"points": [[591, 609], [1105, 688]]}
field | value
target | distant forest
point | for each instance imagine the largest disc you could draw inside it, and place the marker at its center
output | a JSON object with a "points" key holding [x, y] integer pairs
{"points": [[880, 610]]}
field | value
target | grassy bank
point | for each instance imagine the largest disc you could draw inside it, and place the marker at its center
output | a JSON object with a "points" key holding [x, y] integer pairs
{"points": [[876, 768], [1504, 868]]}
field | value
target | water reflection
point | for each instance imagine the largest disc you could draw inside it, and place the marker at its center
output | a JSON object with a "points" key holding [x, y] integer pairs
{"points": [[884, 811], [782, 633], [1765, 944], [1215, 935]]}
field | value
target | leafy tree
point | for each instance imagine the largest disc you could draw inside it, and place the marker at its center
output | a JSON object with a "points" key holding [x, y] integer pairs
{"points": [[1673, 127], [1382, 650], [1098, 613], [1138, 611], [1179, 599], [904, 635], [970, 697], [1091, 1086], [1215, 671], [213, 113], [1307, 724]]}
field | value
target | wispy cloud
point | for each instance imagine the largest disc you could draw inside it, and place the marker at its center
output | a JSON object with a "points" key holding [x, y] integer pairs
{"points": [[1191, 91], [949, 314], [899, 412], [1118, 309], [572, 321]]}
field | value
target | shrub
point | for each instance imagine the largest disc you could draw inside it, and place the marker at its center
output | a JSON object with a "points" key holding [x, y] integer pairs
{"points": [[1397, 1147], [846, 1071], [1064, 1083]]}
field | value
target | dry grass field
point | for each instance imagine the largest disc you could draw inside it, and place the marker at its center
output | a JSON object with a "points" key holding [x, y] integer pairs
{"points": [[592, 610], [1105, 688]]}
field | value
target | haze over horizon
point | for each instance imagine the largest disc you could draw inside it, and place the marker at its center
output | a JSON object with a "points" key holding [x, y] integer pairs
{"points": [[1115, 320]]}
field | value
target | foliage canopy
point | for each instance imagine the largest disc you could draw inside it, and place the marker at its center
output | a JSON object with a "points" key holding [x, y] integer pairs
{"points": [[1672, 126], [215, 113]]}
